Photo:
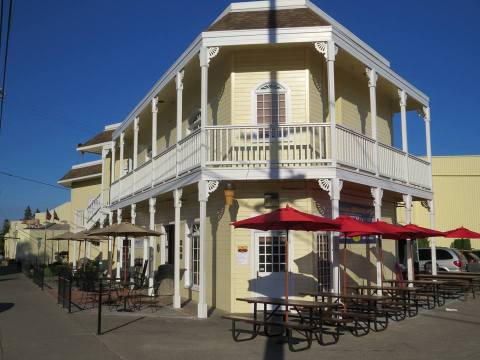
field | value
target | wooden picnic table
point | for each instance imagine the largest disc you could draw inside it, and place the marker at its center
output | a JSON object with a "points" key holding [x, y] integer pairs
{"points": [[472, 281], [310, 324], [424, 286], [278, 303], [356, 304]]}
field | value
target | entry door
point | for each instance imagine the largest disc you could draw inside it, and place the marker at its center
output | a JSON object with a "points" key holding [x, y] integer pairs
{"points": [[270, 264]]}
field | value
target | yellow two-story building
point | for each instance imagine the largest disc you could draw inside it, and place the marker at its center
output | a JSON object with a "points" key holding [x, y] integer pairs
{"points": [[280, 104]]}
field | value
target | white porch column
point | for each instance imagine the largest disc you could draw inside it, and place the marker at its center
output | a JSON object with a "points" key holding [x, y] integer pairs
{"points": [[329, 51], [112, 171], [377, 194], [122, 152], [333, 187], [133, 211], [372, 85], [136, 128], [179, 87], [433, 243], [151, 259], [177, 203], [205, 187], [407, 199], [206, 54], [403, 116], [110, 245], [154, 136], [104, 180], [431, 204], [154, 125], [119, 247]]}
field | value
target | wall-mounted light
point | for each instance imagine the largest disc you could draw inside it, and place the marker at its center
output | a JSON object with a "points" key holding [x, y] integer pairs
{"points": [[229, 193]]}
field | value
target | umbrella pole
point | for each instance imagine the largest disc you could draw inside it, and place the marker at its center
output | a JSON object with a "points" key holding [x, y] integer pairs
{"points": [[68, 252], [286, 277], [84, 254], [110, 260], [344, 264], [125, 261]]}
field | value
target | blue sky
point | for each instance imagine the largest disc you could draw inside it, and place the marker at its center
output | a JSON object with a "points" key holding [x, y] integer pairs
{"points": [[78, 65]]}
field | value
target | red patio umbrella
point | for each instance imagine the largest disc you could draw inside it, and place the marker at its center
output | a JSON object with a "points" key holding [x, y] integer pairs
{"points": [[351, 227], [462, 233], [422, 232], [286, 219]]}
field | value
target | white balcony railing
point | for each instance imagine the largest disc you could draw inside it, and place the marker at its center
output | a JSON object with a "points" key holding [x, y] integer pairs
{"points": [[355, 150], [93, 207], [256, 146], [301, 145]]}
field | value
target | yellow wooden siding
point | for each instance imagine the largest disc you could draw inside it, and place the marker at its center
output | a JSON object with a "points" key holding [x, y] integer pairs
{"points": [[219, 91], [258, 66], [456, 185], [316, 87], [354, 111]]}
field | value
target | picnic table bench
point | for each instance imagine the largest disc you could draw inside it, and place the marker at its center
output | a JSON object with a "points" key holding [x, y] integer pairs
{"points": [[308, 318], [362, 309], [399, 302], [461, 282]]}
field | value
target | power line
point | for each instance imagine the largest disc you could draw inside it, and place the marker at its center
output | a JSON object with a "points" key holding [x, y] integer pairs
{"points": [[32, 180], [4, 74]]}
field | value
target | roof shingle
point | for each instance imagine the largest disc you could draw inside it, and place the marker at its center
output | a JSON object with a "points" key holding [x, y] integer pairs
{"points": [[82, 172], [268, 20], [100, 138]]}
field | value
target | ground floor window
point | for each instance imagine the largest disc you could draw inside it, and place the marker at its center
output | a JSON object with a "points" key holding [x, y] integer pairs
{"points": [[195, 237], [323, 264], [271, 253]]}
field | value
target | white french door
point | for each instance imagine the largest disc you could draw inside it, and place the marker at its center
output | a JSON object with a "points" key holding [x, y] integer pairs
{"points": [[270, 260]]}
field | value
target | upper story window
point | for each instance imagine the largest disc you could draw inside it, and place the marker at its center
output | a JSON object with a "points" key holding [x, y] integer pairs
{"points": [[194, 121], [271, 104]]}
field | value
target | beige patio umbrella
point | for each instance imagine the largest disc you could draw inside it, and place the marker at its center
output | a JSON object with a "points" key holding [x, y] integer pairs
{"points": [[85, 236], [65, 236], [123, 229]]}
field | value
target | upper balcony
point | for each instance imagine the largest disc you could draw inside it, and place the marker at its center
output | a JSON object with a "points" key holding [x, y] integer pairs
{"points": [[306, 146]]}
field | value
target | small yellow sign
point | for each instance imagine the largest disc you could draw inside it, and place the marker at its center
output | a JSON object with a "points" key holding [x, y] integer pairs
{"points": [[356, 238]]}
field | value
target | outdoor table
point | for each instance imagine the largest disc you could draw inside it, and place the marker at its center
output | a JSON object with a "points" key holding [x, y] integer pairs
{"points": [[297, 305], [471, 280], [119, 286], [404, 294], [355, 301], [422, 285]]}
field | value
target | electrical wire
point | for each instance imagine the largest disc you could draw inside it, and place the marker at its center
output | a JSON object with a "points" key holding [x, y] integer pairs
{"points": [[4, 73], [32, 180]]}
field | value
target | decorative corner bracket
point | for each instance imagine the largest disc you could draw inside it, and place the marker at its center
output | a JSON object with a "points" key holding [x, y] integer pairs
{"points": [[424, 113], [323, 48], [403, 97], [179, 80], [372, 77], [377, 194], [332, 186], [155, 104]]}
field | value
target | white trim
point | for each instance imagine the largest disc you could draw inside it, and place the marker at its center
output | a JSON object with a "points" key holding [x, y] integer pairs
{"points": [[67, 181], [86, 164], [112, 126], [93, 146]]}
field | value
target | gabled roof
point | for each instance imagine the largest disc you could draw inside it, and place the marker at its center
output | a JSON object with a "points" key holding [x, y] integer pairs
{"points": [[268, 19], [80, 172], [95, 144], [100, 138]]}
